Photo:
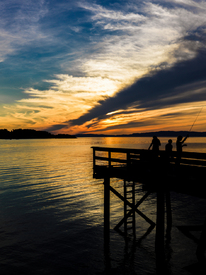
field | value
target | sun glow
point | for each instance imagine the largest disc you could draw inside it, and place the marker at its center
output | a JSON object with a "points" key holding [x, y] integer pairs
{"points": [[180, 117]]}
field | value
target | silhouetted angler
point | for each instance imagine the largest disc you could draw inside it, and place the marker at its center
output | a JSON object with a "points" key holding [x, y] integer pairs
{"points": [[179, 145], [168, 150], [155, 144]]}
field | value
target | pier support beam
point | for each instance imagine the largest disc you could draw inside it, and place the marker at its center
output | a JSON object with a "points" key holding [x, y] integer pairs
{"points": [[133, 202], [201, 248], [159, 241], [169, 215], [125, 209], [106, 210], [160, 220]]}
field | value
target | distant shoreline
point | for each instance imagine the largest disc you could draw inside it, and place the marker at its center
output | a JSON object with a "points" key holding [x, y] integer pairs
{"points": [[151, 134], [33, 134], [30, 134]]}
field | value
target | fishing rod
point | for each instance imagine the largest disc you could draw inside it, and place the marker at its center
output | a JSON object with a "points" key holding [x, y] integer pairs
{"points": [[196, 119]]}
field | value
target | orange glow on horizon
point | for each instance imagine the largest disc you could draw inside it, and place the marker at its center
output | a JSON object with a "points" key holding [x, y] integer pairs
{"points": [[168, 119], [178, 118]]}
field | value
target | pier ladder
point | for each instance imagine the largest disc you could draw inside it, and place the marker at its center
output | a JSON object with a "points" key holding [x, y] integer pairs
{"points": [[129, 194]]}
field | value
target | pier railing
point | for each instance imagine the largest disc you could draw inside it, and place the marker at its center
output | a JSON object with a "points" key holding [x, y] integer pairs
{"points": [[105, 159], [103, 156]]}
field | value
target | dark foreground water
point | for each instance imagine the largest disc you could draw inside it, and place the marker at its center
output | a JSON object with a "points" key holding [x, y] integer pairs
{"points": [[51, 213]]}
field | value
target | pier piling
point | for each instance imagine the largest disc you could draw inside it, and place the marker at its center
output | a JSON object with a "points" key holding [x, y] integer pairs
{"points": [[137, 166], [106, 209]]}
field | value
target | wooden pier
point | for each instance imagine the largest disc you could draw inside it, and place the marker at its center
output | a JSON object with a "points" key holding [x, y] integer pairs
{"points": [[156, 174]]}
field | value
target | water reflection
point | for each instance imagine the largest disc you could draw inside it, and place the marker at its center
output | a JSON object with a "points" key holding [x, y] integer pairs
{"points": [[51, 213]]}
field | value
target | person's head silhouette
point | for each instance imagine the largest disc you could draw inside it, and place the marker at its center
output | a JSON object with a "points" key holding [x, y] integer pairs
{"points": [[179, 138]]}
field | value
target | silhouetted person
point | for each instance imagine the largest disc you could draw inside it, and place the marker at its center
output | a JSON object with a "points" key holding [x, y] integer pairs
{"points": [[168, 150], [179, 145], [155, 144]]}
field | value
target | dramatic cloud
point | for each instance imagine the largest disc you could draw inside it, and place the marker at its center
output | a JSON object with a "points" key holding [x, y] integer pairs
{"points": [[91, 66], [184, 82]]}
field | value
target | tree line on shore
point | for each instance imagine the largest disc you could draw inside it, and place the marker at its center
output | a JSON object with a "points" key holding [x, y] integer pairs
{"points": [[29, 134]]}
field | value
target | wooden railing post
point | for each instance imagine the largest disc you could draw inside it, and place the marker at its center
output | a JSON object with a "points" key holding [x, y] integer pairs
{"points": [[109, 155], [93, 159], [128, 160]]}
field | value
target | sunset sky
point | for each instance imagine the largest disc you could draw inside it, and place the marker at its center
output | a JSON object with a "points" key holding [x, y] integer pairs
{"points": [[112, 67]]}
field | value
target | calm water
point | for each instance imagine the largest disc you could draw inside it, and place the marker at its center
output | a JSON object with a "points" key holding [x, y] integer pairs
{"points": [[51, 213]]}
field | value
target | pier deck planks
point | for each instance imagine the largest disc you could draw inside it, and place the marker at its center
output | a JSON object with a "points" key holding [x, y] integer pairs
{"points": [[140, 165]]}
